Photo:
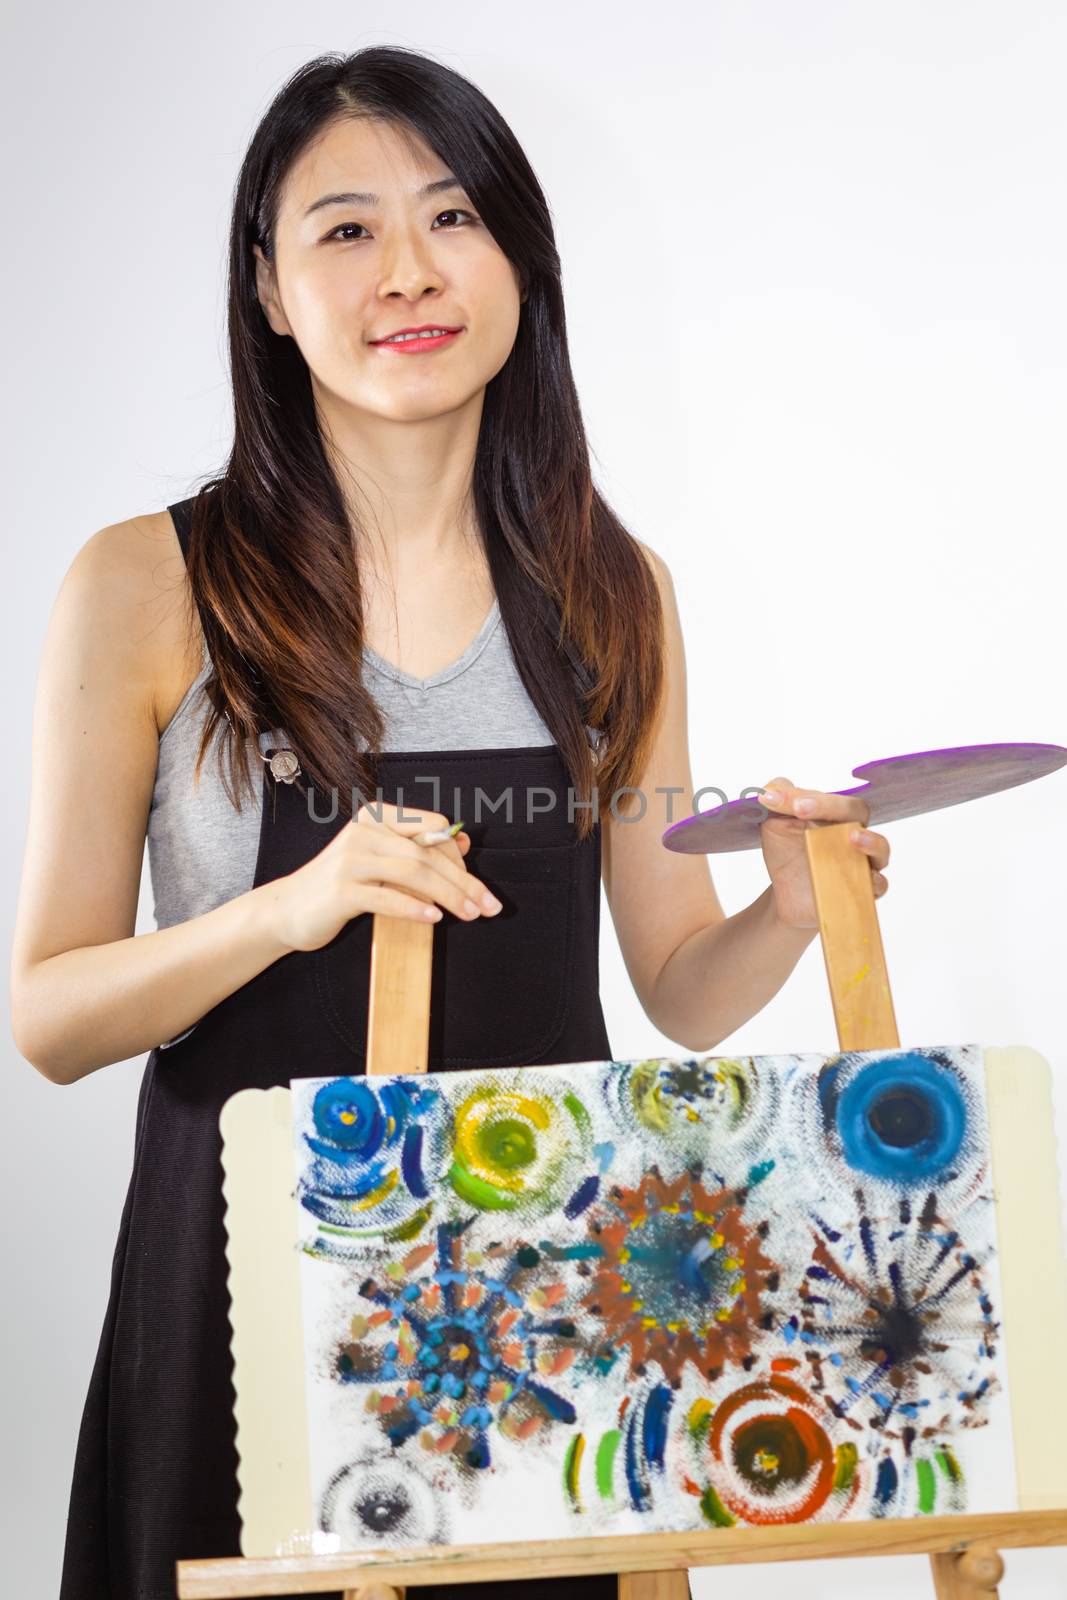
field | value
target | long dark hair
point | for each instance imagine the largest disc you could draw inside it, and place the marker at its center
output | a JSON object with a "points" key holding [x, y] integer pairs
{"points": [[272, 561]]}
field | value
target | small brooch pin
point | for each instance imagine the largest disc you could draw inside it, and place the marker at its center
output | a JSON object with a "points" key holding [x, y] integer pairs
{"points": [[283, 764]]}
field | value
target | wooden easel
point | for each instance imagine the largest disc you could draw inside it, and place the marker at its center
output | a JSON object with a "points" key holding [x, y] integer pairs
{"points": [[963, 1550]]}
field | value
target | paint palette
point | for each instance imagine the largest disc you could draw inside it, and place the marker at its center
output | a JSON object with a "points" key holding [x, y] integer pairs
{"points": [[644, 1295], [894, 787]]}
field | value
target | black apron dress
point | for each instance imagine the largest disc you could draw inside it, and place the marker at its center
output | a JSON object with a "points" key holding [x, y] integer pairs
{"points": [[154, 1477]]}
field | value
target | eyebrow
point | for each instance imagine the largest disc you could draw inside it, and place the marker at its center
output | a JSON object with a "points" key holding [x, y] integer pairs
{"points": [[360, 197]]}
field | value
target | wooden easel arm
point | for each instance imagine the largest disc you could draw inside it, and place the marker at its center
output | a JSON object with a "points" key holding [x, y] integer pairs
{"points": [[398, 1023], [224, 1579], [851, 939]]}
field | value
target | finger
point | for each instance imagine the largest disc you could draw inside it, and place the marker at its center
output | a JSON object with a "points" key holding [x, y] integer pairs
{"points": [[398, 879], [448, 850], [390, 828], [395, 903], [777, 796], [816, 805], [402, 820], [386, 820], [423, 859], [386, 841], [369, 816], [881, 884], [464, 895], [874, 845]]}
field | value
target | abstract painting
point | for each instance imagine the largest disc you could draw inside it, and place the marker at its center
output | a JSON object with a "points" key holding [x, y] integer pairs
{"points": [[650, 1295]]}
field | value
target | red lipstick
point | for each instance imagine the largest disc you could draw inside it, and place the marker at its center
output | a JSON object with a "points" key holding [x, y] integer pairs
{"points": [[433, 335]]}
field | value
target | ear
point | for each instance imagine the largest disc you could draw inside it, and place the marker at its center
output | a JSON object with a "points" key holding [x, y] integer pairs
{"points": [[267, 290]]}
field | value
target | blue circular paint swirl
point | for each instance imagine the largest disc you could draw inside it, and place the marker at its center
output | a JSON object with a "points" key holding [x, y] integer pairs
{"points": [[899, 1118], [351, 1118], [372, 1156]]}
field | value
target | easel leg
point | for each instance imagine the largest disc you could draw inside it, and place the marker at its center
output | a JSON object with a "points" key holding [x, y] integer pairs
{"points": [[972, 1575], [397, 1034], [863, 1012]]}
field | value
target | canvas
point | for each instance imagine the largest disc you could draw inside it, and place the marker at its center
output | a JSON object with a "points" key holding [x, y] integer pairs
{"points": [[649, 1295]]}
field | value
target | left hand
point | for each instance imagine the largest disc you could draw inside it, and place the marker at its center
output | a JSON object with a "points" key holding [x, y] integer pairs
{"points": [[785, 855]]}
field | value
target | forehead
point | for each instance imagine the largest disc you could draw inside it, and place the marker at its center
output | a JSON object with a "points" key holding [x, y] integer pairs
{"points": [[358, 153]]}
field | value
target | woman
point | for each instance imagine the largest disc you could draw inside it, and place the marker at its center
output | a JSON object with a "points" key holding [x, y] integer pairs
{"points": [[404, 585]]}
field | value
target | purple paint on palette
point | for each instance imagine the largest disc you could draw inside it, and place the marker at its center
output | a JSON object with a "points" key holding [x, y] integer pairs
{"points": [[895, 787]]}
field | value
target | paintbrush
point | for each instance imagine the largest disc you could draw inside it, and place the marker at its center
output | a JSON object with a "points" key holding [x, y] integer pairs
{"points": [[439, 837]]}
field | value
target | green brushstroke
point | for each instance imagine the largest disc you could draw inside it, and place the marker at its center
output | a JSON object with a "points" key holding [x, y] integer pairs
{"points": [[845, 1468], [414, 1225], [698, 1422], [403, 1230], [570, 1468], [927, 1486], [605, 1462], [577, 1111], [714, 1510], [478, 1192]]}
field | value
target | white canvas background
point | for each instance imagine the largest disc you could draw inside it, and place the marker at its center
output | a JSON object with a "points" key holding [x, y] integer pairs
{"points": [[814, 259]]}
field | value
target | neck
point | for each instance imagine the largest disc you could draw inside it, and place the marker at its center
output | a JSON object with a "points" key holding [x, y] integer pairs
{"points": [[406, 485]]}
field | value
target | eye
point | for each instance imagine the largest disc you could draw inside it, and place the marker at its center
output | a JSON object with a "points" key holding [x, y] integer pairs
{"points": [[455, 211], [343, 227]]}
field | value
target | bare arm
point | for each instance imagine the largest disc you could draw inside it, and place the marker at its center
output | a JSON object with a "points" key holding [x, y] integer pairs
{"points": [[120, 651], [698, 973]]}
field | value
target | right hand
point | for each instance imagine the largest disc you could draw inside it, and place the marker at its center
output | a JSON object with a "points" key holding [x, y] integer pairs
{"points": [[375, 865]]}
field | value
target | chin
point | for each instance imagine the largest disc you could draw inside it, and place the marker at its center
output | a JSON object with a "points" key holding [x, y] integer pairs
{"points": [[423, 401]]}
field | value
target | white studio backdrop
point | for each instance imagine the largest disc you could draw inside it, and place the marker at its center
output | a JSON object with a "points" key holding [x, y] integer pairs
{"points": [[814, 261]]}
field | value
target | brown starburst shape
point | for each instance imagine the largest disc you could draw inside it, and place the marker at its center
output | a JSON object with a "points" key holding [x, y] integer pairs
{"points": [[680, 1276]]}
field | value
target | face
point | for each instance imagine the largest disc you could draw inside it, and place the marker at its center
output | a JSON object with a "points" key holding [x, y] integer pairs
{"points": [[349, 272]]}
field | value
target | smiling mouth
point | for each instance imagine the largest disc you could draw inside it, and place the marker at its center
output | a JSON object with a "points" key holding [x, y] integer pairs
{"points": [[415, 343]]}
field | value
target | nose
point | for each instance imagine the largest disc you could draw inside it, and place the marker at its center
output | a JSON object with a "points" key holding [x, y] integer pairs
{"points": [[408, 267]]}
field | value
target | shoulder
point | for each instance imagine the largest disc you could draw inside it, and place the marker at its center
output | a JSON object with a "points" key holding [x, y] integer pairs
{"points": [[121, 561], [672, 627], [125, 602], [662, 574]]}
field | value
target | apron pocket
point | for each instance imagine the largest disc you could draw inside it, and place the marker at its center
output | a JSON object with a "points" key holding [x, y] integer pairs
{"points": [[500, 985]]}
